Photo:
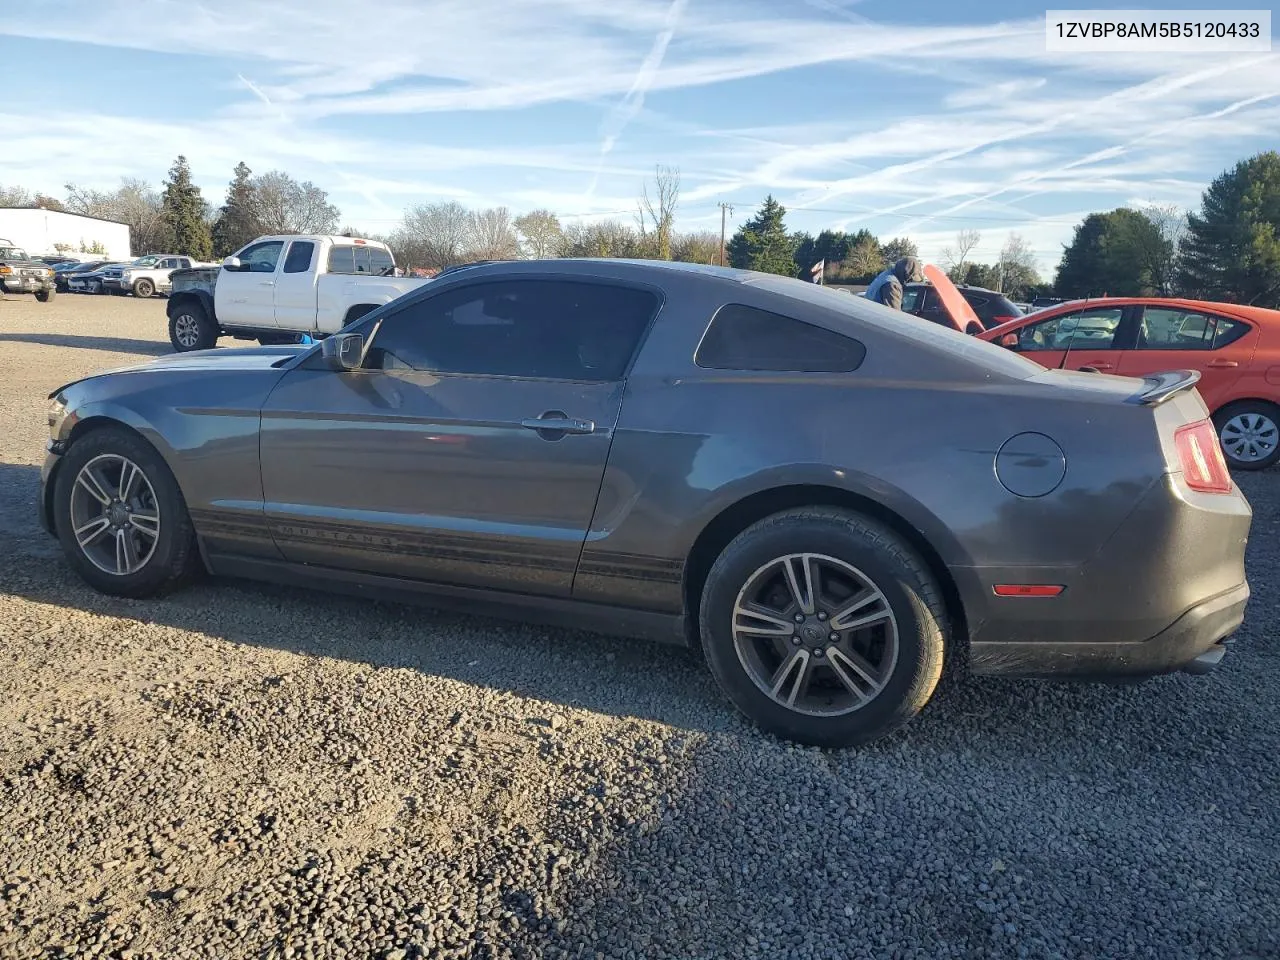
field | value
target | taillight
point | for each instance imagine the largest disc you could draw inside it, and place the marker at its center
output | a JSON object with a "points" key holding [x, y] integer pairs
{"points": [[1200, 455]]}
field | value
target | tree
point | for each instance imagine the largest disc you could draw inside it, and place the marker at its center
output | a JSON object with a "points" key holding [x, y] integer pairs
{"points": [[984, 275], [434, 235], [492, 235], [762, 243], [865, 260], [282, 205], [1109, 254], [701, 247], [658, 214], [897, 248], [1162, 258], [135, 202], [237, 223], [1231, 250], [607, 238], [539, 233], [833, 246], [955, 257], [182, 210], [1016, 270], [15, 196]]}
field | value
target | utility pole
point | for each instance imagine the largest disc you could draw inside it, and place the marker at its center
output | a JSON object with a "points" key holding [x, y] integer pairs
{"points": [[723, 207]]}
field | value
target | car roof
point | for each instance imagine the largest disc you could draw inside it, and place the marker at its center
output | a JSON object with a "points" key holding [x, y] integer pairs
{"points": [[1242, 311]]}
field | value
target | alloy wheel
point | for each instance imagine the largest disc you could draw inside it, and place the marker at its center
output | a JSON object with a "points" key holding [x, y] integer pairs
{"points": [[816, 634], [186, 329], [115, 515]]}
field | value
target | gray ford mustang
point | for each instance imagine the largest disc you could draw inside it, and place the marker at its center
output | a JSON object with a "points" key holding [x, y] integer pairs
{"points": [[825, 497]]}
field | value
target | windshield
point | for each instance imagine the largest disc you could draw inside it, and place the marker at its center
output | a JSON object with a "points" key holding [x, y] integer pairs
{"points": [[145, 262], [13, 253]]}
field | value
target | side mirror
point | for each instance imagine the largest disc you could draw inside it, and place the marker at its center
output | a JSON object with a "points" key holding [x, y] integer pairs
{"points": [[342, 351], [231, 263], [1009, 340]]}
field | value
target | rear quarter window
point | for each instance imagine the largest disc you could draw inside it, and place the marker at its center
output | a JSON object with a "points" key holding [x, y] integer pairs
{"points": [[747, 338]]}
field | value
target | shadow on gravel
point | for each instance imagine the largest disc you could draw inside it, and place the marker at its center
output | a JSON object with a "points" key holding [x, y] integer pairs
{"points": [[145, 348]]}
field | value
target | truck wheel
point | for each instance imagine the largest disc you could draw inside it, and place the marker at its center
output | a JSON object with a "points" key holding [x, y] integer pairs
{"points": [[144, 288], [44, 296], [191, 329]]}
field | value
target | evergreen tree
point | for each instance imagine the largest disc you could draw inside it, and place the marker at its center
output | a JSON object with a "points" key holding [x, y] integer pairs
{"points": [[237, 222], [763, 244], [183, 213], [1110, 254], [1231, 249]]}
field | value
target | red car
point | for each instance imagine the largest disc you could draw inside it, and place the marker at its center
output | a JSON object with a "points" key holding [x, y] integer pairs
{"points": [[1235, 348]]}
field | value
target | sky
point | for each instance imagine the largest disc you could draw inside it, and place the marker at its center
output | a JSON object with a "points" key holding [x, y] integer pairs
{"points": [[916, 120]]}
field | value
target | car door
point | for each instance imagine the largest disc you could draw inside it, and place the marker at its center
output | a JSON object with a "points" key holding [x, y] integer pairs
{"points": [[296, 287], [469, 446], [245, 297], [1174, 338], [1093, 337]]}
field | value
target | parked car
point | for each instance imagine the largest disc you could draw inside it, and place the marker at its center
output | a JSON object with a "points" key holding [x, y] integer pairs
{"points": [[63, 273], [263, 293], [991, 307], [21, 274], [147, 276], [92, 281], [1235, 349], [687, 453]]}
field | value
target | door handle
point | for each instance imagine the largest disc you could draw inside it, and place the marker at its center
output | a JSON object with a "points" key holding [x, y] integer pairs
{"points": [[1220, 364], [1101, 366], [557, 422], [266, 283]]}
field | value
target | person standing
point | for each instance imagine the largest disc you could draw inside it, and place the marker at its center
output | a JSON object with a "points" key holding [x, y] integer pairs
{"points": [[887, 287]]}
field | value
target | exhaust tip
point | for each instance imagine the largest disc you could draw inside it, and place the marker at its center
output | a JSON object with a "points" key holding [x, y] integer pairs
{"points": [[1208, 661]]}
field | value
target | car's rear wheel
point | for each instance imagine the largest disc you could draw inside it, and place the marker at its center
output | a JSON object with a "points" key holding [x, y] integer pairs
{"points": [[191, 329], [120, 516], [144, 288], [823, 627], [1250, 434]]}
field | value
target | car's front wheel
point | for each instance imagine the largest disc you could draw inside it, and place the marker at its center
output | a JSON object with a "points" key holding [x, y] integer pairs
{"points": [[823, 627], [144, 288], [44, 296], [1250, 434], [120, 516], [191, 329]]}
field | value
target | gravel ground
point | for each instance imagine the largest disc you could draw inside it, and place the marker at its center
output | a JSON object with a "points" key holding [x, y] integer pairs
{"points": [[242, 771]]}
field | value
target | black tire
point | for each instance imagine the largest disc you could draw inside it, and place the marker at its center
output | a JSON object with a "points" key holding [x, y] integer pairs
{"points": [[144, 288], [889, 565], [1238, 423], [44, 296], [174, 557], [190, 328]]}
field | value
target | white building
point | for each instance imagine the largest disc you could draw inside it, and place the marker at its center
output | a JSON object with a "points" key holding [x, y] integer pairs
{"points": [[40, 232]]}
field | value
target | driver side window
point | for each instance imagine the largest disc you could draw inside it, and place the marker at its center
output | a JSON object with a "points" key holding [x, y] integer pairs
{"points": [[543, 329], [1093, 329], [262, 257]]}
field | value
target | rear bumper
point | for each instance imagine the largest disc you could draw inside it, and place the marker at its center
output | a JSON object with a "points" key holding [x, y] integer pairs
{"points": [[1193, 642], [1166, 586]]}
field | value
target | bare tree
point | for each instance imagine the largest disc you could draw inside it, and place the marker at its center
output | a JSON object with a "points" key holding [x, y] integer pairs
{"points": [[283, 205], [865, 259], [540, 234], [701, 247], [434, 235], [608, 238], [657, 214], [135, 202], [956, 257], [15, 196], [493, 237], [1161, 258], [1017, 266]]}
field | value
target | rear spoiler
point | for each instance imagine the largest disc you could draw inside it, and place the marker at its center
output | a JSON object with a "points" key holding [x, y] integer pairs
{"points": [[1159, 387]]}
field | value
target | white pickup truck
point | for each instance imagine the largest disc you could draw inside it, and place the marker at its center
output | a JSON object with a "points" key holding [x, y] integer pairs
{"points": [[278, 289]]}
